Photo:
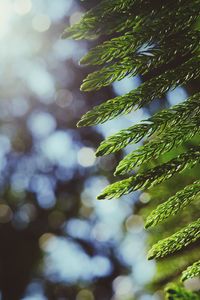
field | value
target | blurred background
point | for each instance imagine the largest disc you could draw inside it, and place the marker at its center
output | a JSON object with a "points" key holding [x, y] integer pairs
{"points": [[56, 240]]}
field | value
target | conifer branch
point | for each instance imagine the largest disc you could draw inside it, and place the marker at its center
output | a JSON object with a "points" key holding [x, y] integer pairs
{"points": [[191, 271], [129, 45], [116, 48], [174, 265], [175, 292], [143, 95], [159, 39], [176, 203], [119, 15], [171, 137], [107, 75], [92, 22], [174, 116], [140, 63], [153, 176], [177, 241]]}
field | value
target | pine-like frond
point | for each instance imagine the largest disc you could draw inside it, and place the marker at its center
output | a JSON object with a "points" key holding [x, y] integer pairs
{"points": [[160, 40], [192, 271], [176, 203], [130, 45], [177, 241], [172, 266], [109, 74], [174, 116], [93, 22], [176, 292], [188, 71], [144, 94], [171, 137], [153, 176]]}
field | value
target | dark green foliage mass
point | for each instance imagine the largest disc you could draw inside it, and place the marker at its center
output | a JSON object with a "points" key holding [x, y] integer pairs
{"points": [[158, 40], [175, 292]]}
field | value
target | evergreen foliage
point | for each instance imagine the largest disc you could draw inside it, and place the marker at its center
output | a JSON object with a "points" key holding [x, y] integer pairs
{"points": [[152, 177], [175, 292], [171, 267], [160, 41], [175, 116], [177, 241], [171, 207], [192, 271]]}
